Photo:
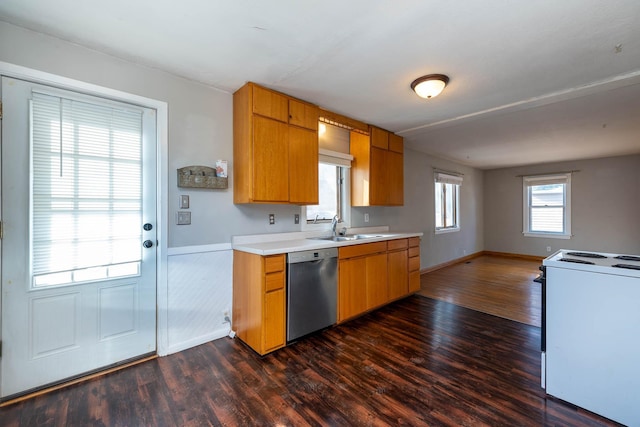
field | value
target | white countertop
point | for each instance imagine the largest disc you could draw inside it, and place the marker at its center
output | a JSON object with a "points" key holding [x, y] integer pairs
{"points": [[272, 244]]}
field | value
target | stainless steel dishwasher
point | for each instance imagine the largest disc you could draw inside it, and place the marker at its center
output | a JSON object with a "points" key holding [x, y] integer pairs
{"points": [[312, 287]]}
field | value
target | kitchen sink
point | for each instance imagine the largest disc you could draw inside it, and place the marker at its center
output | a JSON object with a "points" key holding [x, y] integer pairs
{"points": [[372, 236], [337, 238], [349, 237]]}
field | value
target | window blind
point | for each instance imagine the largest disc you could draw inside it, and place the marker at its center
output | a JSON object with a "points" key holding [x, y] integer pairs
{"points": [[86, 190], [448, 178], [334, 158]]}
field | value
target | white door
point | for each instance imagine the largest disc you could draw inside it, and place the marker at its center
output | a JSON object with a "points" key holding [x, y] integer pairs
{"points": [[78, 202]]}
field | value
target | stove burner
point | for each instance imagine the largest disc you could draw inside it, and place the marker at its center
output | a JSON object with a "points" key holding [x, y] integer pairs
{"points": [[586, 254], [628, 258], [629, 266], [577, 261]]}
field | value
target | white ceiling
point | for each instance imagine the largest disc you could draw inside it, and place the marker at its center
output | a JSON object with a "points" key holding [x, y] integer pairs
{"points": [[531, 81]]}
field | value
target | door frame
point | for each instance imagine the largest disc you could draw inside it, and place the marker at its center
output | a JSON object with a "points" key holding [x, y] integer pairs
{"points": [[162, 180]]}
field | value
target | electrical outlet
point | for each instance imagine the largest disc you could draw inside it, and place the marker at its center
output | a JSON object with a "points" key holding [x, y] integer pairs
{"points": [[184, 201], [272, 219], [366, 217], [183, 218], [225, 314], [296, 219], [548, 248]]}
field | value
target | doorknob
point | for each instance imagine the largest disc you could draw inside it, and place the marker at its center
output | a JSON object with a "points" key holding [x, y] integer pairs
{"points": [[147, 244]]}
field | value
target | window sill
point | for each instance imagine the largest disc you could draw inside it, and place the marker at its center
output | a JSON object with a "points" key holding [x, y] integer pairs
{"points": [[447, 230], [548, 235]]}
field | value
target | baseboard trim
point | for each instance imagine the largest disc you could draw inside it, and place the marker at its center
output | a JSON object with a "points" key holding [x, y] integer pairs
{"points": [[452, 262], [518, 256], [480, 253]]}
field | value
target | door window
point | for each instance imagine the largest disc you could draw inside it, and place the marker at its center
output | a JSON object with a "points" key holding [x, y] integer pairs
{"points": [[86, 190]]}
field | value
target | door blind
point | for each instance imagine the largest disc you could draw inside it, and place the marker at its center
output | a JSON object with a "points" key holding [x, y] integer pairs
{"points": [[86, 190]]}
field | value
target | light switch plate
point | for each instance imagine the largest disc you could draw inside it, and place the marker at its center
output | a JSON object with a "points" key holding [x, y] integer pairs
{"points": [[183, 218], [184, 201]]}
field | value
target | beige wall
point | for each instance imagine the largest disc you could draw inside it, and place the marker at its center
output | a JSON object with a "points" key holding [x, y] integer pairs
{"points": [[605, 202]]}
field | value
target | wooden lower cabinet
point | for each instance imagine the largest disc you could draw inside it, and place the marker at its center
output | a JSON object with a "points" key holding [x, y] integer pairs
{"points": [[352, 293], [371, 275], [398, 274], [414, 264], [259, 300], [376, 280]]}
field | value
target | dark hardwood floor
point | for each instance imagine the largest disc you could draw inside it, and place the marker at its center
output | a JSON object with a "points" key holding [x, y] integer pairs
{"points": [[415, 362]]}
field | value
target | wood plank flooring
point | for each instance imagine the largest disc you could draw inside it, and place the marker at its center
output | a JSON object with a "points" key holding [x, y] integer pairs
{"points": [[418, 362], [497, 285]]}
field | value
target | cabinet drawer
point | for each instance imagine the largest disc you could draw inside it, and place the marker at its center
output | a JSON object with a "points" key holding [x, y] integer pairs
{"points": [[414, 251], [274, 281], [414, 263], [359, 250], [414, 241], [273, 263], [393, 245]]}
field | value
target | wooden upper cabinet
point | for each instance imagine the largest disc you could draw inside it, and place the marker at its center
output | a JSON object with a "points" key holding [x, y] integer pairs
{"points": [[270, 104], [270, 184], [303, 166], [379, 138], [303, 114], [396, 143], [377, 172], [275, 148], [395, 178]]}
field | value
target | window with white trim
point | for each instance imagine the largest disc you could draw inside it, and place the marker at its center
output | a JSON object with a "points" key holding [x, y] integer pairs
{"points": [[447, 202], [547, 206], [333, 191]]}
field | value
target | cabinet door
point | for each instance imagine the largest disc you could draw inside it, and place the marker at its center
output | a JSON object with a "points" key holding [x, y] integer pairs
{"points": [[378, 185], [352, 294], [303, 166], [270, 160], [376, 279], [398, 274], [414, 281], [270, 104], [379, 138], [396, 143], [303, 114], [274, 329], [395, 178]]}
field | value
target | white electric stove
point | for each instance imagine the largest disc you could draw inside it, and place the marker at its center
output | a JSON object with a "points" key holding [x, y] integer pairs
{"points": [[592, 329]]}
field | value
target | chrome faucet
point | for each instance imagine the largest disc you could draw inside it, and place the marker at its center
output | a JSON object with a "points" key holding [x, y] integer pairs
{"points": [[334, 222]]}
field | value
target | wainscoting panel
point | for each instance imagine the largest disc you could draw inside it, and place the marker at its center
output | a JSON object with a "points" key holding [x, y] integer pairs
{"points": [[199, 292]]}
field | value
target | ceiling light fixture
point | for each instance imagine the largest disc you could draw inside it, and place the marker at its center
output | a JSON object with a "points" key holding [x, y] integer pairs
{"points": [[429, 86]]}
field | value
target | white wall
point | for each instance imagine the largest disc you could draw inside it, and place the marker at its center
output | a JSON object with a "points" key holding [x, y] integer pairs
{"points": [[605, 202]]}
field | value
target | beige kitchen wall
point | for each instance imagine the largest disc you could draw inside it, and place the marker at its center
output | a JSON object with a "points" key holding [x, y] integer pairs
{"points": [[605, 207]]}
